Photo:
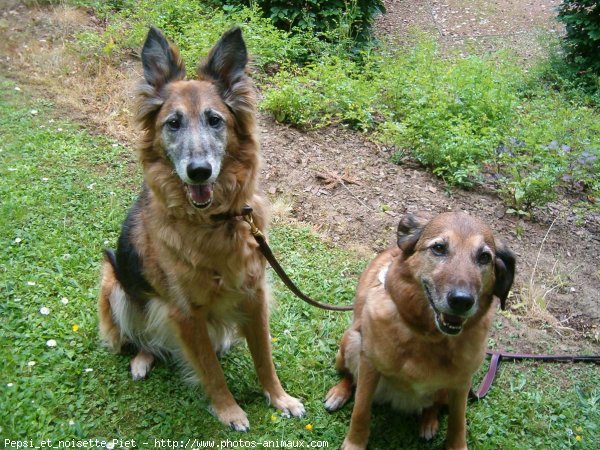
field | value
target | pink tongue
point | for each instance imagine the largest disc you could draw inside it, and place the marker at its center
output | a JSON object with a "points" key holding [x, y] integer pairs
{"points": [[201, 193]]}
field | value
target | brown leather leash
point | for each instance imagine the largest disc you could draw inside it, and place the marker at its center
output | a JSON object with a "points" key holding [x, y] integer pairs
{"points": [[497, 357], [270, 257]]}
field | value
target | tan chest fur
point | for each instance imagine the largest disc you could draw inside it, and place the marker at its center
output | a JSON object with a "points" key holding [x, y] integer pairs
{"points": [[414, 366], [203, 264]]}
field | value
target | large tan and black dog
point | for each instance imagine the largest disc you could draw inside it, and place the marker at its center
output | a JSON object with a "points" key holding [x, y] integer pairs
{"points": [[187, 276], [421, 318]]}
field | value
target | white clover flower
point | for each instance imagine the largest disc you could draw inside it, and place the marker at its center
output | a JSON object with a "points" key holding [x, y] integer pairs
{"points": [[64, 300], [31, 363], [44, 311], [51, 343], [18, 240], [31, 283]]}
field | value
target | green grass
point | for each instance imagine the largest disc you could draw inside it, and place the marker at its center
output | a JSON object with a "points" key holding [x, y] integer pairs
{"points": [[64, 193]]}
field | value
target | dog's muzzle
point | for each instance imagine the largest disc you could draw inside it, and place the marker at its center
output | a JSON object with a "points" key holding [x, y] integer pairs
{"points": [[460, 303]]}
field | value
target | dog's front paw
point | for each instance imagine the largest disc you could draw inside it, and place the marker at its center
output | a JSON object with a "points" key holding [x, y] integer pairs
{"points": [[348, 445], [288, 405], [232, 416]]}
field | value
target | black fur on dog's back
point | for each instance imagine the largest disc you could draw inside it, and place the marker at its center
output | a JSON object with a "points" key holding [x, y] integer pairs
{"points": [[127, 262]]}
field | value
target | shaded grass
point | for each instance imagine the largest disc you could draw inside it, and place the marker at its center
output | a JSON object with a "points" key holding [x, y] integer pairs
{"points": [[64, 193]]}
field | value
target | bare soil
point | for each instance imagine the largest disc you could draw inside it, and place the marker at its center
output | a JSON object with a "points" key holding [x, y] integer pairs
{"points": [[558, 252]]}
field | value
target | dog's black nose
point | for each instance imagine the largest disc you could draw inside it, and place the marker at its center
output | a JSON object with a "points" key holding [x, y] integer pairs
{"points": [[460, 301], [199, 171]]}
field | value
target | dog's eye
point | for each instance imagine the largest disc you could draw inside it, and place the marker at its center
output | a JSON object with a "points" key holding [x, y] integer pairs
{"points": [[439, 249], [484, 258], [214, 121], [174, 124]]}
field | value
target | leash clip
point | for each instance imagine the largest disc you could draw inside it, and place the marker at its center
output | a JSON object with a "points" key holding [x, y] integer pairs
{"points": [[253, 228]]}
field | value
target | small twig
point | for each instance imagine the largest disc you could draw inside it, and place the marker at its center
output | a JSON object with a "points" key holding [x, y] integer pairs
{"points": [[537, 259], [357, 199], [389, 213], [567, 319]]}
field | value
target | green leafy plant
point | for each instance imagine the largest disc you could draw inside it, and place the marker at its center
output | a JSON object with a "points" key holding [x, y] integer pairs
{"points": [[332, 91], [331, 19], [582, 41]]}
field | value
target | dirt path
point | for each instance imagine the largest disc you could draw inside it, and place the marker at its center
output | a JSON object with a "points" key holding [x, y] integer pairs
{"points": [[363, 215], [478, 25]]}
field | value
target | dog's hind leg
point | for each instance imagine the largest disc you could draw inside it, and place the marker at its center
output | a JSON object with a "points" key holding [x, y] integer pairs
{"points": [[110, 332], [141, 365], [429, 417], [345, 362], [339, 394]]}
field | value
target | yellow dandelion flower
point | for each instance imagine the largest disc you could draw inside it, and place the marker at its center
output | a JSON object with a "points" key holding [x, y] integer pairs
{"points": [[75, 328], [578, 438], [273, 418], [309, 426], [273, 340]]}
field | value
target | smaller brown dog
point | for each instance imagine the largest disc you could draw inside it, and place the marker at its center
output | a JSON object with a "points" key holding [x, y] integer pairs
{"points": [[421, 317]]}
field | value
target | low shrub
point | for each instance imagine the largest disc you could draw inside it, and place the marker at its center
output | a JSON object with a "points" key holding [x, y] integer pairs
{"points": [[582, 41], [195, 26], [335, 20], [450, 112], [334, 90]]}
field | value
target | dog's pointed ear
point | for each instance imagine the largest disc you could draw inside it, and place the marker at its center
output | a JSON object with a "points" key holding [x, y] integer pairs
{"points": [[409, 232], [161, 61], [505, 273], [227, 59]]}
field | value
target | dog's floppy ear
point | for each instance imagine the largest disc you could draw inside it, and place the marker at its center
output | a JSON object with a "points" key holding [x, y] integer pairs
{"points": [[161, 60], [227, 60], [505, 272], [409, 232]]}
